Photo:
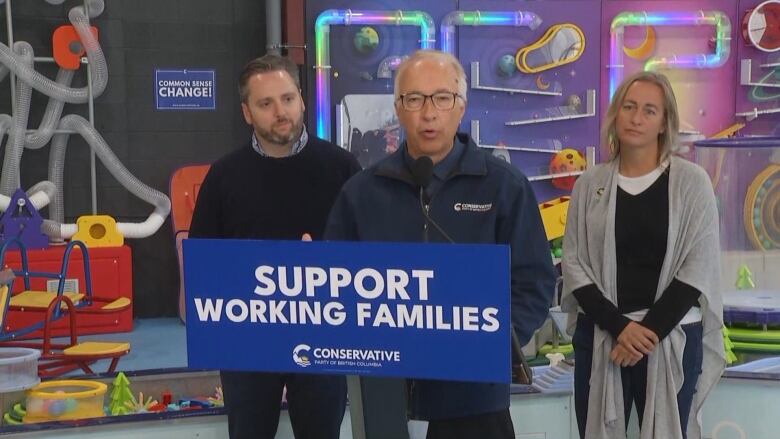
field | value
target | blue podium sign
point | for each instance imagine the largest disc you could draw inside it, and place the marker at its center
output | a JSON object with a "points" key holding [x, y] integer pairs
{"points": [[438, 311]]}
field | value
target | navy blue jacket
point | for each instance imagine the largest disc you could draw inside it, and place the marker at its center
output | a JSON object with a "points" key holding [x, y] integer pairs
{"points": [[382, 203]]}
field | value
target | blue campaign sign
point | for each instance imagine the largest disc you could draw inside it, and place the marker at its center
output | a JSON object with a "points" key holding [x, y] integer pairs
{"points": [[438, 311], [185, 89]]}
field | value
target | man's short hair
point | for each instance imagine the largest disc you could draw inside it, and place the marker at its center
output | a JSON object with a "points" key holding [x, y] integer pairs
{"points": [[437, 55], [265, 64]]}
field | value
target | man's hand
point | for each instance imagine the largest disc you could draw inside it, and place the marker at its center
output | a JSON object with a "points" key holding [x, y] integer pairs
{"points": [[637, 339], [622, 357]]}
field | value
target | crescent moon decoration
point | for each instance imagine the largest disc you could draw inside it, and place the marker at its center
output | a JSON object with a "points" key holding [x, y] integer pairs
{"points": [[643, 50], [541, 85], [758, 94]]}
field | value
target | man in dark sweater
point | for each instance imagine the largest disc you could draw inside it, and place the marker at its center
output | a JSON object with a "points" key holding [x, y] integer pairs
{"points": [[280, 185]]}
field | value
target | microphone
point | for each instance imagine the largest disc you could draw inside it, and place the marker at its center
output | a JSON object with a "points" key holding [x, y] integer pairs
{"points": [[422, 172], [521, 371]]}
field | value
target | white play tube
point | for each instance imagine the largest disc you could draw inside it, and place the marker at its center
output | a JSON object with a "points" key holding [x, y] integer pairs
{"points": [[40, 195], [160, 201]]}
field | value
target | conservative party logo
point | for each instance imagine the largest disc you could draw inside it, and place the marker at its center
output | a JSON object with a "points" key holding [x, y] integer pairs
{"points": [[471, 207], [301, 355]]}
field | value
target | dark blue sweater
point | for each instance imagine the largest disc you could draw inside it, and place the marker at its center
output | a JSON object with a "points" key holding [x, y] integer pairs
{"points": [[246, 195]]}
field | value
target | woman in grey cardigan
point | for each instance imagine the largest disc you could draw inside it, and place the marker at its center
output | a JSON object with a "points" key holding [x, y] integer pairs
{"points": [[640, 267]]}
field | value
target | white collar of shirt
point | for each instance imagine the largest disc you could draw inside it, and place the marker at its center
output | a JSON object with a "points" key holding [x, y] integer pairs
{"points": [[637, 185], [296, 147]]}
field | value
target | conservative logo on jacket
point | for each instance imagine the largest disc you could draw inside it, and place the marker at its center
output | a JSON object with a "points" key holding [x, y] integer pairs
{"points": [[472, 207]]}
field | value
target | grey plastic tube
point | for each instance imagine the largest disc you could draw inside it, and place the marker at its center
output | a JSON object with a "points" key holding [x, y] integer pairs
{"points": [[56, 228], [5, 125], [51, 116], [59, 145], [9, 180], [37, 139], [97, 61]]}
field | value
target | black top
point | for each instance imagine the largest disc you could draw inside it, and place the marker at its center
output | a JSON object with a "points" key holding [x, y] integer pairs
{"points": [[641, 228], [246, 195], [641, 231]]}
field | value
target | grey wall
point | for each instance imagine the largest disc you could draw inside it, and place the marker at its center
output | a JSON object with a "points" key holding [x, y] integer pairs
{"points": [[139, 36]]}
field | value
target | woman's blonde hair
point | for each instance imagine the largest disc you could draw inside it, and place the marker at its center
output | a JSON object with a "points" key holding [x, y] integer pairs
{"points": [[667, 140]]}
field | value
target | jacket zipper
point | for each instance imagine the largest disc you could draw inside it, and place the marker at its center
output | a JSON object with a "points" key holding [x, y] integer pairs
{"points": [[413, 384], [427, 207], [425, 222]]}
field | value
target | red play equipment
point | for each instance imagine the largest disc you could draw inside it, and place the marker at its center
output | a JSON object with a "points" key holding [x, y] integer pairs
{"points": [[57, 358], [185, 185]]}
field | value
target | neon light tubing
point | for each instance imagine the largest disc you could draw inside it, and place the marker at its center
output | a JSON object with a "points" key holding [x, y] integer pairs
{"points": [[483, 18], [348, 17], [691, 18]]}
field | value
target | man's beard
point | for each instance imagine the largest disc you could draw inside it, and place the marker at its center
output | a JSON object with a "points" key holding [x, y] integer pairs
{"points": [[279, 139]]}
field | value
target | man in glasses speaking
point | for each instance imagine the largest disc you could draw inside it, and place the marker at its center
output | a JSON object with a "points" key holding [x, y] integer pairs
{"points": [[441, 187]]}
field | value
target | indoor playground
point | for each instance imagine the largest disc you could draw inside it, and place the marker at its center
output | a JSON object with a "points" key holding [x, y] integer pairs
{"points": [[103, 158]]}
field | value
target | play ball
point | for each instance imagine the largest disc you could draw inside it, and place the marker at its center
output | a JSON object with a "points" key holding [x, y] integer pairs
{"points": [[71, 405], [574, 101], [568, 160], [506, 65], [34, 405], [366, 40], [57, 407]]}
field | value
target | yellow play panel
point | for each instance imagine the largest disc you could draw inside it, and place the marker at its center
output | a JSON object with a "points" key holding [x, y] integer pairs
{"points": [[40, 299], [97, 348], [119, 303]]}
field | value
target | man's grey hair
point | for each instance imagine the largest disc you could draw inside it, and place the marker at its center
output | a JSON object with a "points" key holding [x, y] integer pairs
{"points": [[436, 55]]}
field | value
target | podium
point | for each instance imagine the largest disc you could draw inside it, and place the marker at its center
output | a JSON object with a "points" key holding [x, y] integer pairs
{"points": [[377, 407], [375, 312]]}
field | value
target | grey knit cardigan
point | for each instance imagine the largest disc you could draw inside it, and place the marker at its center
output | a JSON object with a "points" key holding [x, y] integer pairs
{"points": [[692, 256]]}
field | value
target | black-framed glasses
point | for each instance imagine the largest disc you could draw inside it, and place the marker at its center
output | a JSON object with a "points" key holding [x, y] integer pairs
{"points": [[443, 100]]}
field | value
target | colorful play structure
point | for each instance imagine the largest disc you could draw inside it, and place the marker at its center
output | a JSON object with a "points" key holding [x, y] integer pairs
{"points": [[75, 399], [52, 306], [70, 42], [44, 294], [540, 77]]}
